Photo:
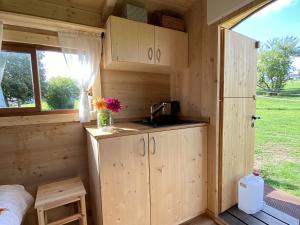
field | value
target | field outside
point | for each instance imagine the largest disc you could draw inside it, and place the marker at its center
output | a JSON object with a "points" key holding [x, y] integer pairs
{"points": [[45, 106], [277, 147]]}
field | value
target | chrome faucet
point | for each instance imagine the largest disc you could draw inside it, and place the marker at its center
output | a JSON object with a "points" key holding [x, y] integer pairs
{"points": [[155, 109]]}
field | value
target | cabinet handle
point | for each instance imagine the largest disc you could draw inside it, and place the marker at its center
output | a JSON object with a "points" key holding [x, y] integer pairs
{"points": [[150, 53], [154, 146], [144, 150], [158, 55]]}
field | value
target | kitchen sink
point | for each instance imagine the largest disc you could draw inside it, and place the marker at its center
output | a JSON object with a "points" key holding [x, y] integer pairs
{"points": [[164, 122]]}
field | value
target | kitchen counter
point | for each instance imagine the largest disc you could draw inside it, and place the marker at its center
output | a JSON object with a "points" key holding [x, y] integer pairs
{"points": [[130, 128]]}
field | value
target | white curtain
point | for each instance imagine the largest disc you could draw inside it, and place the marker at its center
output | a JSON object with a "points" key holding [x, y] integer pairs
{"points": [[2, 66], [82, 52]]}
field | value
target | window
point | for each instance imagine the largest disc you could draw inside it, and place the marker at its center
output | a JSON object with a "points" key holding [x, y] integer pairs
{"points": [[35, 80], [59, 90], [17, 81]]}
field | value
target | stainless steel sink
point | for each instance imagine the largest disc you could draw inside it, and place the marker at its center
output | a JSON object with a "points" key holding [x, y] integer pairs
{"points": [[165, 122]]}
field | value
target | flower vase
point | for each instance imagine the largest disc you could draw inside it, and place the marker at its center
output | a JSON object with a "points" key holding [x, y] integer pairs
{"points": [[104, 120]]}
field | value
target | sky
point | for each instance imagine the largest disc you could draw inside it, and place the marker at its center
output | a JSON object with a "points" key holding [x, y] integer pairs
{"points": [[279, 19], [55, 65]]}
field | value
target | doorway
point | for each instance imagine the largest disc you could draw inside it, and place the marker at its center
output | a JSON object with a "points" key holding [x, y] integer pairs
{"points": [[277, 148], [277, 133]]}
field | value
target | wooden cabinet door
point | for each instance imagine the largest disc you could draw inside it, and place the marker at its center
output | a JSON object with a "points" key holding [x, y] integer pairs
{"points": [[240, 65], [177, 175], [165, 177], [124, 175], [193, 145], [171, 47], [146, 43], [124, 39], [237, 146], [131, 41]]}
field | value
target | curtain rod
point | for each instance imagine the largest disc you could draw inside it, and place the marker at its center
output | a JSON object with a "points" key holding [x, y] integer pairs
{"points": [[40, 23]]}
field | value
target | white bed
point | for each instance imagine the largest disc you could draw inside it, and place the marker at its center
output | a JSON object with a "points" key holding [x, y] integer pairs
{"points": [[14, 203]]}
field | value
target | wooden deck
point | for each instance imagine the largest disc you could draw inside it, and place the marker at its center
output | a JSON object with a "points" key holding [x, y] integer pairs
{"points": [[282, 201], [268, 215]]}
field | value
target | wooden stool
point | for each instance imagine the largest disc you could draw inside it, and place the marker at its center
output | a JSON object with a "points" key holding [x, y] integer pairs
{"points": [[60, 193]]}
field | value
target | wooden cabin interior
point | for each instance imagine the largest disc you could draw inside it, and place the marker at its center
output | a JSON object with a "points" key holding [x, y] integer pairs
{"points": [[133, 173]]}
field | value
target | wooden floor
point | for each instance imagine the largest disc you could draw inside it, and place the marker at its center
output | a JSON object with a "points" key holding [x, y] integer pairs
{"points": [[268, 215], [201, 220]]}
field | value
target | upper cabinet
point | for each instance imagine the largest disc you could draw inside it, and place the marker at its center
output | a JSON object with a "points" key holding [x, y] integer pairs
{"points": [[171, 47], [130, 41], [131, 45]]}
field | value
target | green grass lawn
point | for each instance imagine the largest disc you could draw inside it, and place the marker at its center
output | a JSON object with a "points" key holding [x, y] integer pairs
{"points": [[277, 149], [45, 106]]}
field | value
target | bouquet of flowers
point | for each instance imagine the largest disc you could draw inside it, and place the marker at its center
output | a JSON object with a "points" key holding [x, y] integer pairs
{"points": [[105, 107]]}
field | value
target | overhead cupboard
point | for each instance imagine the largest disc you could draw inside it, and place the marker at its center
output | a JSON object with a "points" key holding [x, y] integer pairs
{"points": [[129, 42], [155, 178]]}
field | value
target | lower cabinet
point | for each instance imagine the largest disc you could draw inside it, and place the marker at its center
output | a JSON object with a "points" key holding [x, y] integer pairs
{"points": [[124, 173], [159, 177], [178, 175]]}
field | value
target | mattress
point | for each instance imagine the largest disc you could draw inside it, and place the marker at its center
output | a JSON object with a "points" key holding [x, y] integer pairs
{"points": [[14, 203]]}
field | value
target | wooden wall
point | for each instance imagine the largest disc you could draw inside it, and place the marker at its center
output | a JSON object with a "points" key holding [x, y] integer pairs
{"points": [[37, 154], [137, 91], [65, 11], [43, 152], [197, 88]]}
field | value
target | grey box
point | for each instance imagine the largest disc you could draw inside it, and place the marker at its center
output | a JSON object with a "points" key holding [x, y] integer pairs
{"points": [[135, 13]]}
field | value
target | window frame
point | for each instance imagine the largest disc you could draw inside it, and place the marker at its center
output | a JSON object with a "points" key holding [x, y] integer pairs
{"points": [[37, 110]]}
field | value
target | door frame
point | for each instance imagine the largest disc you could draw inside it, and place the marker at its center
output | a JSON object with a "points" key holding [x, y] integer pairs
{"points": [[221, 117]]}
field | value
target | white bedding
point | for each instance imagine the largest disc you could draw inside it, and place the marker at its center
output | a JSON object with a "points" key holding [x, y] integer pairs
{"points": [[14, 202]]}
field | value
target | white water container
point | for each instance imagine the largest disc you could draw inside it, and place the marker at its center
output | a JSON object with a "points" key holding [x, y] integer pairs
{"points": [[251, 193]]}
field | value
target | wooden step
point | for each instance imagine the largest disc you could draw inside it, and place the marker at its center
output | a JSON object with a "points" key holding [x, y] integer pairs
{"points": [[60, 203], [67, 220]]}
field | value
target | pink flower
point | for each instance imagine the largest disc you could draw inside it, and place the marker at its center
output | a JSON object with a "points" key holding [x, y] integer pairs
{"points": [[113, 104]]}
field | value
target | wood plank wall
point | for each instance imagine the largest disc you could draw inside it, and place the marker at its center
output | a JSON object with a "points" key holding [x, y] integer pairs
{"points": [[197, 88], [65, 12], [37, 154], [138, 91]]}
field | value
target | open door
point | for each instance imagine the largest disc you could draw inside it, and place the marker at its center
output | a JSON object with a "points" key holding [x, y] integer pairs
{"points": [[238, 90]]}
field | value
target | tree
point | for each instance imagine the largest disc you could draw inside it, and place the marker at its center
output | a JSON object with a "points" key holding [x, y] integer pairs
{"points": [[275, 63], [17, 78], [17, 83], [61, 93]]}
